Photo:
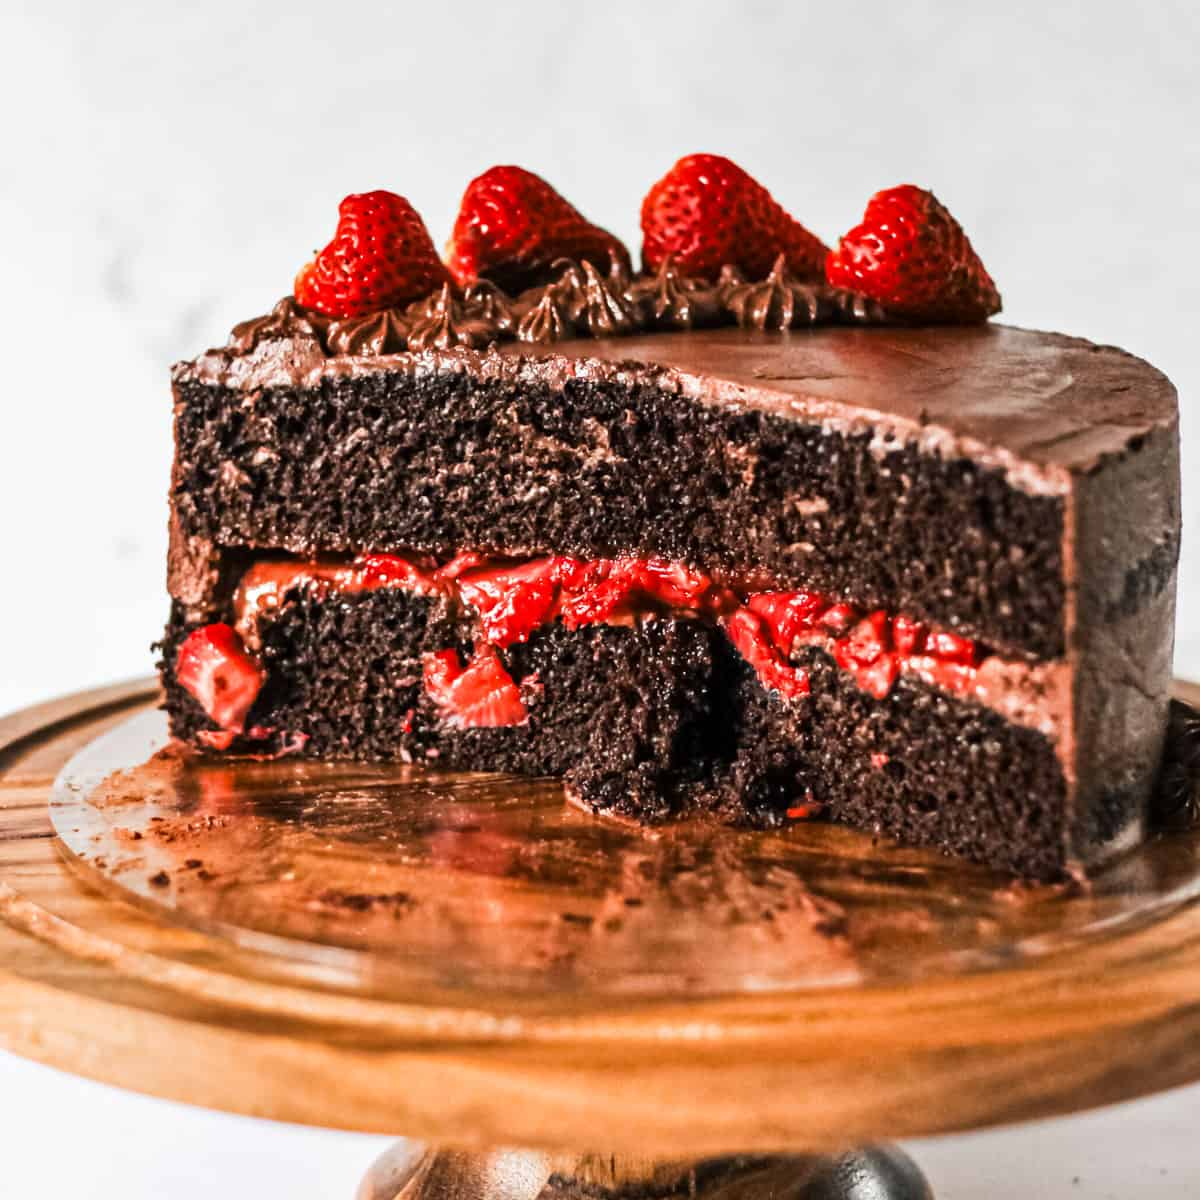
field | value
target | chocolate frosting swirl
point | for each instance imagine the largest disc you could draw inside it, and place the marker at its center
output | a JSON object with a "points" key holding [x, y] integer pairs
{"points": [[484, 301], [778, 302], [383, 332], [670, 300], [548, 320], [602, 308], [286, 320], [443, 323], [580, 300], [856, 309]]}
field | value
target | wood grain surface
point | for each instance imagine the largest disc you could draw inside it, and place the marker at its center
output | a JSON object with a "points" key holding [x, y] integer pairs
{"points": [[123, 993]]}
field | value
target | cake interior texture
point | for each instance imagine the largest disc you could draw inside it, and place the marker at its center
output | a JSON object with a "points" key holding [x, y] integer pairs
{"points": [[1020, 725]]}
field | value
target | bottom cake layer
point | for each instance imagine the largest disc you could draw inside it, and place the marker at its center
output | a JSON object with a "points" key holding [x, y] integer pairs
{"points": [[650, 720]]}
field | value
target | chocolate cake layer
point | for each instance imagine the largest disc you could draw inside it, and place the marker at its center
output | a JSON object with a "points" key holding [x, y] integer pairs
{"points": [[661, 720]]}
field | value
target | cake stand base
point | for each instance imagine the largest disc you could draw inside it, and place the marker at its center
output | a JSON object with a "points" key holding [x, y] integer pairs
{"points": [[352, 947], [410, 1171]]}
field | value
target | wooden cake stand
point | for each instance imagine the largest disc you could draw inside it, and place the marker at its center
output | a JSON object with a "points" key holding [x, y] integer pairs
{"points": [[651, 1013]]}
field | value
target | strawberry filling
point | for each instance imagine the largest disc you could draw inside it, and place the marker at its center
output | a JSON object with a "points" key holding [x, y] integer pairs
{"points": [[512, 599], [753, 637]]}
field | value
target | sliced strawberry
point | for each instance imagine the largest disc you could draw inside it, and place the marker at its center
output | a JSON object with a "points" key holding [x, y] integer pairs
{"points": [[512, 600], [481, 695], [449, 572], [512, 226], [912, 256], [214, 667], [750, 635], [908, 635], [937, 672], [381, 256], [867, 642], [838, 618], [395, 570], [707, 213], [607, 600], [576, 574], [806, 809], [878, 677], [671, 584], [787, 614], [952, 648]]}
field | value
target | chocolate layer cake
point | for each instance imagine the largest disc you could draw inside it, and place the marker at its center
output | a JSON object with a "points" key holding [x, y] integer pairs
{"points": [[921, 580], [763, 550]]}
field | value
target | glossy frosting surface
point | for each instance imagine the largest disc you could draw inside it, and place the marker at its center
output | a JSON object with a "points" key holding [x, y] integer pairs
{"points": [[1053, 400]]}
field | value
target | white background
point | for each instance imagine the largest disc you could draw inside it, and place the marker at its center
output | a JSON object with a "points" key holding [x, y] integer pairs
{"points": [[167, 168]]}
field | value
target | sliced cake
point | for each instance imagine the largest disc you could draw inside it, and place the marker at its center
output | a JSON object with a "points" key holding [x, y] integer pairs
{"points": [[746, 535]]}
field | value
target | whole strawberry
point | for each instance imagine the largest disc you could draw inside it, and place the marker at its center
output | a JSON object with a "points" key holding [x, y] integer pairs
{"points": [[912, 256], [381, 256], [706, 213], [512, 225]]}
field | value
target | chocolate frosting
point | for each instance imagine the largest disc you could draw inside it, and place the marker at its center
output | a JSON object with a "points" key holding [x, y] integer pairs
{"points": [[445, 323], [546, 321], [778, 302], [670, 300], [385, 332], [579, 301]]}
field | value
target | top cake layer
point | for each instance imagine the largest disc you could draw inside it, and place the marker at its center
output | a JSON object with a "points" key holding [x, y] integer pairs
{"points": [[1037, 405]]}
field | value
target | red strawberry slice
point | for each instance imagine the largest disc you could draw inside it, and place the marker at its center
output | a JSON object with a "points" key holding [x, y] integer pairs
{"points": [[878, 678], [460, 563], [750, 635], [616, 589], [866, 653], [951, 648], [787, 614], [512, 225], [511, 600], [574, 574], [706, 213], [908, 635], [866, 642], [394, 570], [670, 583], [912, 256], [381, 256], [481, 695], [214, 667], [838, 618], [609, 600], [806, 809]]}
